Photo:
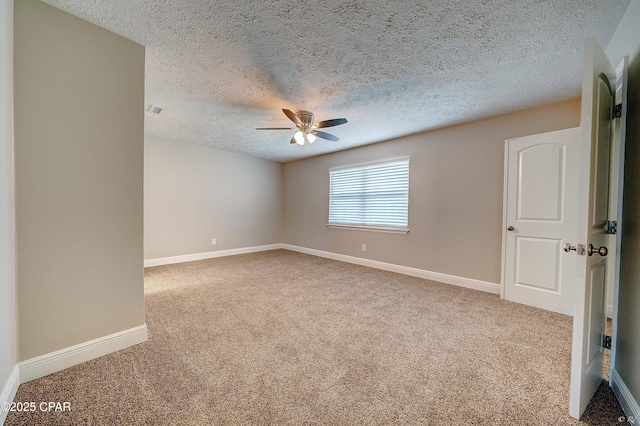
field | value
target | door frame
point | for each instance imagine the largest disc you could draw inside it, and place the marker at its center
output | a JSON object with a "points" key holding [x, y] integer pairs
{"points": [[505, 189], [617, 179], [618, 176]]}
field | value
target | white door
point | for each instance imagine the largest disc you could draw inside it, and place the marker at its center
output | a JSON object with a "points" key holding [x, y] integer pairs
{"points": [[541, 201], [590, 313]]}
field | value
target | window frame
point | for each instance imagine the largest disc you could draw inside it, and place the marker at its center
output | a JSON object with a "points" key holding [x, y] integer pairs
{"points": [[372, 227]]}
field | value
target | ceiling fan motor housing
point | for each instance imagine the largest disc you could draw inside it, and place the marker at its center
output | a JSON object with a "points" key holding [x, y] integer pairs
{"points": [[306, 118]]}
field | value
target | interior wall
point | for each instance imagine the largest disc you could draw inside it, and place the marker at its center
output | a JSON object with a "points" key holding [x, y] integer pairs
{"points": [[8, 342], [624, 41], [455, 195], [79, 129], [193, 194], [627, 362]]}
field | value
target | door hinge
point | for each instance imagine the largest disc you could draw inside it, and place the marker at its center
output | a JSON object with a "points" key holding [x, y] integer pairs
{"points": [[606, 342], [617, 111], [611, 226]]}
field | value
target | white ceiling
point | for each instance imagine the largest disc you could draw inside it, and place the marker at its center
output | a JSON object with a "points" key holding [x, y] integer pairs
{"points": [[220, 68]]}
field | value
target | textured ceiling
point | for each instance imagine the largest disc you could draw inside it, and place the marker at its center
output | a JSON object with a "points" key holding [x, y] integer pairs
{"points": [[220, 68]]}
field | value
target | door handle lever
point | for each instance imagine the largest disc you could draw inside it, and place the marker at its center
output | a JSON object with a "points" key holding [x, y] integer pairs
{"points": [[580, 249]]}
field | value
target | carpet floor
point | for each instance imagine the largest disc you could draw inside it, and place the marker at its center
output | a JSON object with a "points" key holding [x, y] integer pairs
{"points": [[281, 337]]}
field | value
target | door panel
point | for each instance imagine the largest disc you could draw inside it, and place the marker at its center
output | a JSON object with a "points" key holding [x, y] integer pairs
{"points": [[602, 152], [540, 193], [593, 204], [530, 254], [596, 312], [541, 174]]}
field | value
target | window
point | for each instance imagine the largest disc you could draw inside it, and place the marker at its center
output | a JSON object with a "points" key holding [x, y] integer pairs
{"points": [[373, 196]]}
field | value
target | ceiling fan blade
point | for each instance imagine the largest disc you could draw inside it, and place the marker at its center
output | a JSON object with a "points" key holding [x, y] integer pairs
{"points": [[325, 135], [329, 123], [292, 116], [293, 140], [275, 128]]}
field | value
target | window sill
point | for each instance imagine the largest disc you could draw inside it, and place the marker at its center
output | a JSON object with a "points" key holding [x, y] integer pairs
{"points": [[370, 228]]}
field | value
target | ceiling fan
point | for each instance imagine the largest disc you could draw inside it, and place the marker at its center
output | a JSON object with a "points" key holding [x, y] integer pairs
{"points": [[307, 129]]}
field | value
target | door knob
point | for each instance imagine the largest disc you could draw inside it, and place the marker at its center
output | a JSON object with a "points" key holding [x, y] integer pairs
{"points": [[510, 228], [568, 247], [602, 251]]}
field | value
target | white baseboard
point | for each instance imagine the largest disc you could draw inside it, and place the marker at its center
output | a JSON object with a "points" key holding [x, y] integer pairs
{"points": [[414, 272], [9, 391], [622, 392], [420, 273], [208, 255], [59, 360]]}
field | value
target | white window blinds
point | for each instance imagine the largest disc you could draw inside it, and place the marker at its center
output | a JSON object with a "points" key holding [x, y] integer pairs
{"points": [[370, 196]]}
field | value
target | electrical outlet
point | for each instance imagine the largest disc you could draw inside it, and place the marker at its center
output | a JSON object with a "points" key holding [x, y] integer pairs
{"points": [[364, 247], [213, 241]]}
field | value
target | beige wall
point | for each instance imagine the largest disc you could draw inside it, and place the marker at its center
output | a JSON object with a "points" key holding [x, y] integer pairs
{"points": [[8, 356], [193, 194], [455, 199], [626, 41], [79, 105]]}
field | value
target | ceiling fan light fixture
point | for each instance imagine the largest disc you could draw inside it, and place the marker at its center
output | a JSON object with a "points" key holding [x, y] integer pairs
{"points": [[299, 137], [311, 137]]}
